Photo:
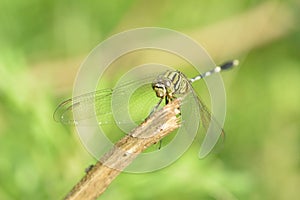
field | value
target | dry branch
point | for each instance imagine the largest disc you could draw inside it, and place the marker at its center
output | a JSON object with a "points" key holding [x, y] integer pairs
{"points": [[151, 131]]}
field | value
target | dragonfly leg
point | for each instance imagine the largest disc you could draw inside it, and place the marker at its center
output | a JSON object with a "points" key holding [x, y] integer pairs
{"points": [[155, 108], [89, 168], [167, 100], [160, 143]]}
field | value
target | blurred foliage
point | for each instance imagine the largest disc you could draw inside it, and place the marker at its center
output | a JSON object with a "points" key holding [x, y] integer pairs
{"points": [[41, 159]]}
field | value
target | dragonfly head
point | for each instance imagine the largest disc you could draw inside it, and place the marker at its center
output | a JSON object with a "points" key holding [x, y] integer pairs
{"points": [[161, 87]]}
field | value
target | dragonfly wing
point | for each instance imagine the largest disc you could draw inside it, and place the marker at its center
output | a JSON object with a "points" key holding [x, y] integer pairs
{"points": [[99, 103], [206, 117], [84, 107], [212, 129]]}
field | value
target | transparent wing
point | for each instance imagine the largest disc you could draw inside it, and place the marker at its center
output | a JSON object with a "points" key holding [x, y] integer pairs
{"points": [[207, 117], [215, 136], [98, 103], [83, 106]]}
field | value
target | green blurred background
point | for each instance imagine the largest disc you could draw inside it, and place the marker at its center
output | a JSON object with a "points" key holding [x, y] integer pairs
{"points": [[42, 44]]}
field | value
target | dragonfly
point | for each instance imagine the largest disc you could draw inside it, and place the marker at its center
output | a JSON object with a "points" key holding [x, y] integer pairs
{"points": [[167, 86]]}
